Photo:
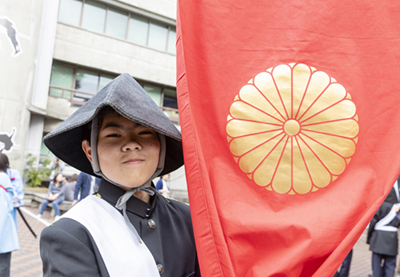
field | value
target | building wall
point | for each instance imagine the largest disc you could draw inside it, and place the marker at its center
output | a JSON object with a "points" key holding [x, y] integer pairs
{"points": [[79, 46], [17, 72]]}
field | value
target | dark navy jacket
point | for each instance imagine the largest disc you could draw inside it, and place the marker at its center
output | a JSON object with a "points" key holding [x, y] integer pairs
{"points": [[67, 248], [82, 184], [384, 242]]}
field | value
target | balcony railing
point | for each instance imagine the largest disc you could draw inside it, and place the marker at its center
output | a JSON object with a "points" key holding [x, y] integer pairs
{"points": [[77, 98]]}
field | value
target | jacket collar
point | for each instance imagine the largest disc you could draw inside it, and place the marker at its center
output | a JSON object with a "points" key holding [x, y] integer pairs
{"points": [[112, 193]]}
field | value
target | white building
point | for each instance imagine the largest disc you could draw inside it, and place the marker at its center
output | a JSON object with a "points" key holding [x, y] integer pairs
{"points": [[56, 54]]}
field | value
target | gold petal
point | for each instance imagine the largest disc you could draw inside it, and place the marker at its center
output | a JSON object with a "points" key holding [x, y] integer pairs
{"points": [[250, 95], [334, 163], [241, 145], [282, 182], [301, 179], [318, 82], [342, 146], [333, 94], [265, 84], [346, 128], [301, 76], [249, 161], [242, 110], [283, 79], [343, 109], [263, 174], [236, 127], [320, 176]]}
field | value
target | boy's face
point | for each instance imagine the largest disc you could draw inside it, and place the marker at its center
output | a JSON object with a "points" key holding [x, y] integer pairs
{"points": [[128, 152]]}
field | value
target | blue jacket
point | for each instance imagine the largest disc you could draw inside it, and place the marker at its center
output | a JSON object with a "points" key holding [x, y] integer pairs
{"points": [[8, 231], [82, 184], [18, 185]]}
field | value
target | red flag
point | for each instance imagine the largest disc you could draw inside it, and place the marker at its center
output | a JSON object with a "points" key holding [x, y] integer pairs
{"points": [[290, 115]]}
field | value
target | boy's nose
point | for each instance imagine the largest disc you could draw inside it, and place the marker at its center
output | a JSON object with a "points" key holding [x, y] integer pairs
{"points": [[131, 145]]}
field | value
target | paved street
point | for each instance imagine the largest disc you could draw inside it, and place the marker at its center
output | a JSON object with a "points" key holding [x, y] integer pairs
{"points": [[26, 262]]}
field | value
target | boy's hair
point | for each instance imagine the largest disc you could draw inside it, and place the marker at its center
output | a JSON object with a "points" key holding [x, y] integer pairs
{"points": [[87, 128], [3, 162]]}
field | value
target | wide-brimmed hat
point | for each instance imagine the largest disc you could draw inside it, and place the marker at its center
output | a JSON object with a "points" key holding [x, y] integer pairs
{"points": [[130, 100]]}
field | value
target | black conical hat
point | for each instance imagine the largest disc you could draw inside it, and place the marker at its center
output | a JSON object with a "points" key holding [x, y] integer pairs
{"points": [[130, 100]]}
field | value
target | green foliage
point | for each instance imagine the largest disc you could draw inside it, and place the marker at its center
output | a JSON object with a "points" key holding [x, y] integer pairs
{"points": [[36, 174]]}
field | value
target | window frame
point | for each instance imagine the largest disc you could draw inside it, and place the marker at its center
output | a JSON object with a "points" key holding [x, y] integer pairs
{"points": [[100, 73], [149, 21]]}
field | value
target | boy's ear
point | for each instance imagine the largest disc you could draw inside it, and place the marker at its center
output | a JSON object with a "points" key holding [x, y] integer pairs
{"points": [[87, 149]]}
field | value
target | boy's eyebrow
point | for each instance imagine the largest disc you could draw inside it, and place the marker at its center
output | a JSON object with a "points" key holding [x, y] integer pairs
{"points": [[113, 125], [116, 125]]}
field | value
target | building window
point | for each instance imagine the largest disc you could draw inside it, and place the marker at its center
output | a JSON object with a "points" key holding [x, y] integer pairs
{"points": [[103, 18], [78, 85], [87, 81], [62, 80], [117, 22], [172, 40], [138, 29], [169, 99], [94, 16], [70, 12], [158, 36], [154, 92]]}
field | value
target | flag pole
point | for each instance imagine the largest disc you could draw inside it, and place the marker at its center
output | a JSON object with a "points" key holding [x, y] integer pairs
{"points": [[26, 223]]}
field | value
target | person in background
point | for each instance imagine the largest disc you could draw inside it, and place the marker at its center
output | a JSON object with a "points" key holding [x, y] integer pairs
{"points": [[83, 185], [345, 266], [8, 230], [382, 234], [70, 187], [55, 195], [18, 186], [56, 166], [163, 186]]}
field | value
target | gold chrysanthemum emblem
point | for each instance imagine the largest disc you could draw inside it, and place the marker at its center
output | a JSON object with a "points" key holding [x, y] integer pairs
{"points": [[292, 129]]}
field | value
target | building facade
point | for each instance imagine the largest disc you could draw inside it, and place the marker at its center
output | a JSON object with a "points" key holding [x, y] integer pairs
{"points": [[56, 54]]}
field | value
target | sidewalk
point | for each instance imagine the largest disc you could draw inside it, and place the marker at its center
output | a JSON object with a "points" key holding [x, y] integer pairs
{"points": [[361, 261], [26, 262]]}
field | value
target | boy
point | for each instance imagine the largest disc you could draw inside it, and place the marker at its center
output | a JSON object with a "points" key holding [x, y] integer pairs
{"points": [[127, 229]]}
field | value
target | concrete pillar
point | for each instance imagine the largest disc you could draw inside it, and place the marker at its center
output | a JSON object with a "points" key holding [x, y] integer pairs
{"points": [[35, 135], [45, 53]]}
